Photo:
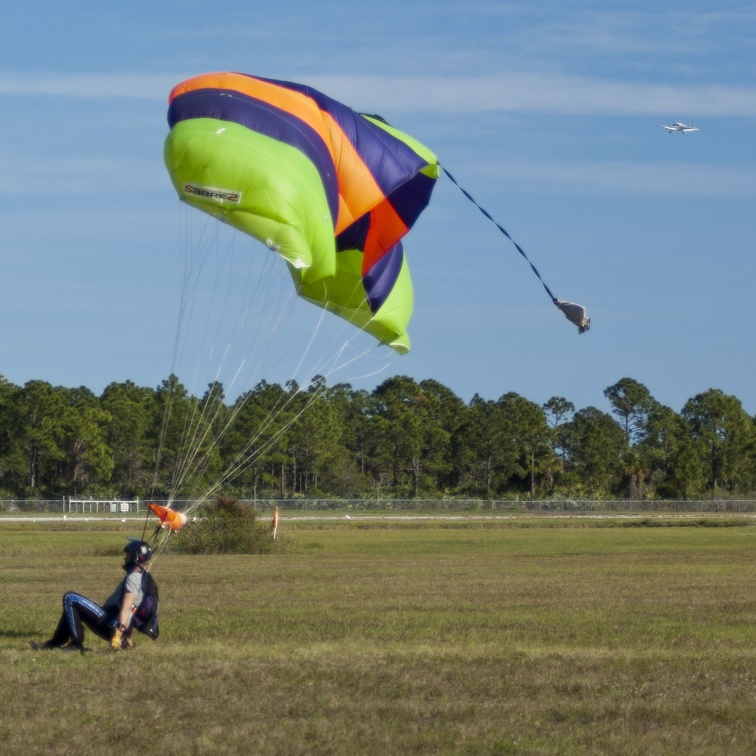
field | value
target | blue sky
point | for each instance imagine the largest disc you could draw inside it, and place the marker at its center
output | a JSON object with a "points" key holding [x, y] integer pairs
{"points": [[546, 112]]}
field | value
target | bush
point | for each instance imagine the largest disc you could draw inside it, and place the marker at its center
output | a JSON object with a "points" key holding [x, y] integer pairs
{"points": [[224, 527]]}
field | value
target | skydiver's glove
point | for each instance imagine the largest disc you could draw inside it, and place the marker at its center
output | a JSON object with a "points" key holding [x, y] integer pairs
{"points": [[115, 641]]}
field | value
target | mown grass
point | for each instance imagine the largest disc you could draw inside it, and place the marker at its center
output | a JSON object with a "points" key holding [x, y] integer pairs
{"points": [[357, 640]]}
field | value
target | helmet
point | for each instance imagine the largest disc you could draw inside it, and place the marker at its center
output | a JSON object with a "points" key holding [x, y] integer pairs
{"points": [[140, 551]]}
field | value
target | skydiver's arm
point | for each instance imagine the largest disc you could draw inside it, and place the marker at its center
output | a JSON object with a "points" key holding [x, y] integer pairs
{"points": [[125, 613], [124, 620]]}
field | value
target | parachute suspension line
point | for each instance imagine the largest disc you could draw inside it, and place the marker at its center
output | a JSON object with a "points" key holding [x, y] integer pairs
{"points": [[201, 434], [573, 312], [245, 458], [223, 330], [196, 431], [198, 248], [326, 367], [159, 539], [310, 342], [146, 520], [191, 267], [156, 541], [352, 319], [198, 462]]}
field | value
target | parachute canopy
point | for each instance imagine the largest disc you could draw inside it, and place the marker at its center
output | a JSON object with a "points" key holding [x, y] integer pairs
{"points": [[330, 190]]}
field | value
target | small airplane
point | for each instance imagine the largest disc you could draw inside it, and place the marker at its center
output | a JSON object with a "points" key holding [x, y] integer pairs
{"points": [[683, 128]]}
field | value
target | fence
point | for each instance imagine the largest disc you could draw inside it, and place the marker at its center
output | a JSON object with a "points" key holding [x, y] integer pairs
{"points": [[560, 505], [135, 506]]}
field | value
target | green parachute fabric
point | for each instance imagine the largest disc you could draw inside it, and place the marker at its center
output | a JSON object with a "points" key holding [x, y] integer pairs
{"points": [[330, 190]]}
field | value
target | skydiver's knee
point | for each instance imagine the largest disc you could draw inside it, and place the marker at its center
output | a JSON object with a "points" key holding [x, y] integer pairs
{"points": [[71, 598]]}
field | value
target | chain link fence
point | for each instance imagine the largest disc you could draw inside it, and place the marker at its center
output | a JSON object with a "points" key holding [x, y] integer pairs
{"points": [[135, 506]]}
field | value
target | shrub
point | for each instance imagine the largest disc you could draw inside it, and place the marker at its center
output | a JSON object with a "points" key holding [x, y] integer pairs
{"points": [[224, 527]]}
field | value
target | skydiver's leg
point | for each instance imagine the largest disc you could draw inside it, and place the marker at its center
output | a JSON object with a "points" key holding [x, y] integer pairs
{"points": [[103, 626], [78, 609], [61, 636]]}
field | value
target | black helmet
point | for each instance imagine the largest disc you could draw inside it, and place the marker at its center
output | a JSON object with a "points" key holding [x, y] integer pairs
{"points": [[140, 551]]}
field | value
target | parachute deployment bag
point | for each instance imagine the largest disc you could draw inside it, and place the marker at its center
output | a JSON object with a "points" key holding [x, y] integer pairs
{"points": [[147, 614]]}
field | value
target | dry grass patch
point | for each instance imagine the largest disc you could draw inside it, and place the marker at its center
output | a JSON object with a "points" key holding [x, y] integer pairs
{"points": [[425, 641]]}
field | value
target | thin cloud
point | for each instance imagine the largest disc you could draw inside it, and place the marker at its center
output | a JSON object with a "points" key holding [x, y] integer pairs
{"points": [[86, 86], [69, 176], [537, 93], [663, 179], [508, 93], [660, 32]]}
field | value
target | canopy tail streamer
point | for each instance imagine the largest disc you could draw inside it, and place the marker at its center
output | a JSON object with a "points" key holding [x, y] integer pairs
{"points": [[575, 313]]}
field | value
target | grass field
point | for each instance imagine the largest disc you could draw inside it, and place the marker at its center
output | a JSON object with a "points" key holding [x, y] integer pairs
{"points": [[435, 638]]}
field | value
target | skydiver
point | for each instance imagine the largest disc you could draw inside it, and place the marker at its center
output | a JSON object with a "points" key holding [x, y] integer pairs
{"points": [[111, 621]]}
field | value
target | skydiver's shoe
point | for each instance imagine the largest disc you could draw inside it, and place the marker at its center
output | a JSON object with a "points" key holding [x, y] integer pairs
{"points": [[72, 647], [42, 646]]}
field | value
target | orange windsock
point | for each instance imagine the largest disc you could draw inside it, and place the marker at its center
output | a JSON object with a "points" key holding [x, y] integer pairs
{"points": [[169, 518]]}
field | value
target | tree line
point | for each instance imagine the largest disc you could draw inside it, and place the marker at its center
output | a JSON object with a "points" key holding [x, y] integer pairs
{"points": [[404, 439]]}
